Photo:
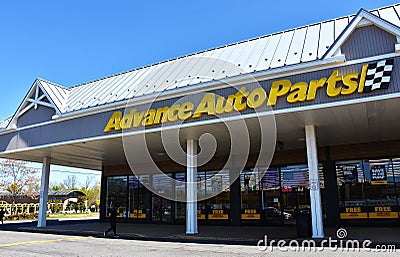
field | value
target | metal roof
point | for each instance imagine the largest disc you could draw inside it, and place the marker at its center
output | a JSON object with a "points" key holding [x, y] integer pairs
{"points": [[304, 44], [64, 192], [291, 47], [4, 123], [57, 93], [51, 193]]}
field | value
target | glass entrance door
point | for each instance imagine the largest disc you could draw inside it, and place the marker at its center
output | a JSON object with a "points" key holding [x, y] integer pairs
{"points": [[271, 198], [215, 209], [296, 191], [261, 196], [161, 209], [137, 194]]}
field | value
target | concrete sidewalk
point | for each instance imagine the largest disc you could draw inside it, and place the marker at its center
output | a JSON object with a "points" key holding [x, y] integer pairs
{"points": [[246, 235]]}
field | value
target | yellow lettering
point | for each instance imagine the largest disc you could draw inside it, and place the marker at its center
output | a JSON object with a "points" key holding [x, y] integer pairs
{"points": [[220, 108], [185, 111], [350, 81], [114, 122], [137, 117], [278, 88], [314, 85], [229, 103], [239, 96], [126, 122], [362, 78], [161, 115], [207, 105], [173, 112], [337, 84], [256, 98], [332, 90], [149, 117], [298, 92]]}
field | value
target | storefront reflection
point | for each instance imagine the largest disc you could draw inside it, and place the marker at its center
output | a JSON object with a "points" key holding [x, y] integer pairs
{"points": [[368, 190]]}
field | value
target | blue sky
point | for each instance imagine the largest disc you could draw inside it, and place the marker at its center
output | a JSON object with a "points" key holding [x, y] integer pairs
{"points": [[71, 42]]}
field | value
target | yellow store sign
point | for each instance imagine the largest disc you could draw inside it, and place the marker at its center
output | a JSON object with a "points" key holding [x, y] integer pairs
{"points": [[137, 214], [200, 216], [335, 85], [217, 215], [250, 214], [354, 213], [383, 212]]}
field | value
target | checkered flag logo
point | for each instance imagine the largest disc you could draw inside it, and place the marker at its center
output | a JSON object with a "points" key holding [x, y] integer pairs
{"points": [[378, 75]]}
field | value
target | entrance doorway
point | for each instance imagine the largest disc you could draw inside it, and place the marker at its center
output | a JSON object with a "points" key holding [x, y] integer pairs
{"points": [[161, 210], [261, 197], [161, 207]]}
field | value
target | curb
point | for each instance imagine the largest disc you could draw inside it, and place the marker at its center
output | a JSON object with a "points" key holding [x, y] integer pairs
{"points": [[178, 239], [191, 238]]}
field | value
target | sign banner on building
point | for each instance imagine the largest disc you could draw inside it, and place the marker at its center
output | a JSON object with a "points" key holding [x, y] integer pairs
{"points": [[370, 77]]}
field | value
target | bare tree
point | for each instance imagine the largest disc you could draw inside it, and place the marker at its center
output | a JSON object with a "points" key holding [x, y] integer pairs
{"points": [[90, 180], [71, 182], [93, 195], [18, 179]]}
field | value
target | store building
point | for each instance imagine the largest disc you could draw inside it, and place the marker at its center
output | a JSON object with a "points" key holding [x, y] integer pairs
{"points": [[333, 96], [65, 200]]}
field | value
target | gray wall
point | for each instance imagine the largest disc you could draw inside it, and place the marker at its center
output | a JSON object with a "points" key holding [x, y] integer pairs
{"points": [[34, 116], [368, 41]]}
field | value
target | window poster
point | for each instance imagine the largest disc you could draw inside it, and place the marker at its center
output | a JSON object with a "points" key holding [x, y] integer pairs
{"points": [[378, 175], [350, 174]]}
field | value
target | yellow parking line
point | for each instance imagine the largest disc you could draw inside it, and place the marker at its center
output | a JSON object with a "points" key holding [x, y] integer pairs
{"points": [[44, 241], [78, 238]]}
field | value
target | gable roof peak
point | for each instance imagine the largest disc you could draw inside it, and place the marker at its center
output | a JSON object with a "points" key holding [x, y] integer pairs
{"points": [[361, 19]]}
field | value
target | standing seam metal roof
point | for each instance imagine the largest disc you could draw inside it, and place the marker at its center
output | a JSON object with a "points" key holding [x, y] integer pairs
{"points": [[57, 93]]}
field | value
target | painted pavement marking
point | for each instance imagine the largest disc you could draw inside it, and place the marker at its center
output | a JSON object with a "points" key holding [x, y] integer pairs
{"points": [[45, 241]]}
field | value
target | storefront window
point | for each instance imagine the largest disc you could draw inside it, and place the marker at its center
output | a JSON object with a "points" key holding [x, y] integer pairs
{"points": [[162, 184], [218, 206], [138, 207], [251, 194], [380, 190], [396, 175], [274, 195], [180, 192], [296, 190], [271, 196], [367, 189], [116, 195]]}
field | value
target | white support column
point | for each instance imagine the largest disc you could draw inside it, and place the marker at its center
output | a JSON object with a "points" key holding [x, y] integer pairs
{"points": [[315, 194], [44, 192], [191, 190]]}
